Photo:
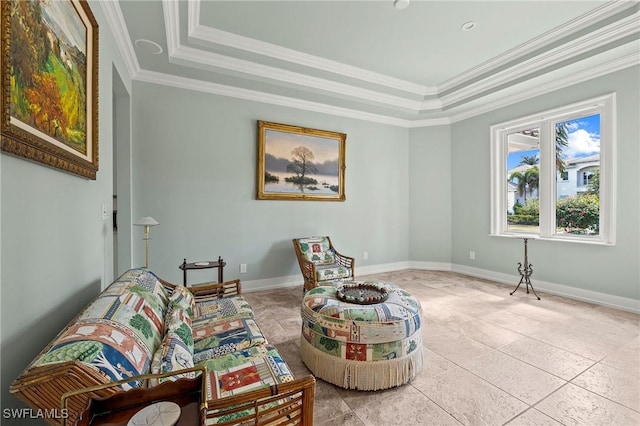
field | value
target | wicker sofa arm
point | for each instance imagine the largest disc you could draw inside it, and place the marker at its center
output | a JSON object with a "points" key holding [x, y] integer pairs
{"points": [[289, 403], [42, 387]]}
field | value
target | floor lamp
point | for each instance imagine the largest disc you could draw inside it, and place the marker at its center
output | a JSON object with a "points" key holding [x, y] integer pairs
{"points": [[147, 222]]}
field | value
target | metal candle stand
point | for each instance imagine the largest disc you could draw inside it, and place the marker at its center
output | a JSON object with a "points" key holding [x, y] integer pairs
{"points": [[525, 272]]}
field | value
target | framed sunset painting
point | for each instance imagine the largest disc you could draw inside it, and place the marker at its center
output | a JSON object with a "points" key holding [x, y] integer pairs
{"points": [[50, 84], [297, 163]]}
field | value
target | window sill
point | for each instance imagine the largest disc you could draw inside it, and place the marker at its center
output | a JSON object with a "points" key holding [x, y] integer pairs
{"points": [[557, 238]]}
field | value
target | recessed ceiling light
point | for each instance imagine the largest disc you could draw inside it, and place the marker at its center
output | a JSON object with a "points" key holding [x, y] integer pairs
{"points": [[468, 26], [401, 4], [149, 46]]}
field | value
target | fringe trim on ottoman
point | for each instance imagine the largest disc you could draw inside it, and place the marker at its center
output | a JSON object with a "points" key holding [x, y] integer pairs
{"points": [[361, 375]]}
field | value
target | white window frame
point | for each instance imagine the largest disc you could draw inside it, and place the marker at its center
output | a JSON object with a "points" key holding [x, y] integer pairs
{"points": [[546, 121]]}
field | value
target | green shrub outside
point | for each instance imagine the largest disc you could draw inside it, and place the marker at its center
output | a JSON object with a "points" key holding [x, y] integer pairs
{"points": [[517, 207], [523, 219], [579, 214], [532, 208], [576, 215], [525, 215]]}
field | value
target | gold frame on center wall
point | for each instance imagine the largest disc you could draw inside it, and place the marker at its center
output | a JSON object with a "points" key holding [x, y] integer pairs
{"points": [[301, 164]]}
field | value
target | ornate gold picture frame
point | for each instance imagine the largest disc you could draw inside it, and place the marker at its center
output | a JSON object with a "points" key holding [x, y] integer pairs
{"points": [[296, 163], [50, 84]]}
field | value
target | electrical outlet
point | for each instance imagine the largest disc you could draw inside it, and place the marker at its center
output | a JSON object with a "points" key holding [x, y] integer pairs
{"points": [[472, 255], [243, 268], [104, 211], [365, 255]]}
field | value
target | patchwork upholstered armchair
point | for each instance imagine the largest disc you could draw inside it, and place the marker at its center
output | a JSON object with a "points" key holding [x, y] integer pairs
{"points": [[320, 263]]}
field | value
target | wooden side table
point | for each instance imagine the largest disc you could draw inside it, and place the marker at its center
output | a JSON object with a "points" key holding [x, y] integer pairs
{"points": [[207, 264]]}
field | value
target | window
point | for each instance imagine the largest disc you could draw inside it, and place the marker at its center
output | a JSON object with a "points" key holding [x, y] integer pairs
{"points": [[588, 177], [553, 174]]}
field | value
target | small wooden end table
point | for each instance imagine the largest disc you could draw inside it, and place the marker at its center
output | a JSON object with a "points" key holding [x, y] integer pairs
{"points": [[207, 264]]}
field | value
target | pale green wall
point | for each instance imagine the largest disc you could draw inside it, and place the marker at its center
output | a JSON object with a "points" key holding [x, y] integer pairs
{"points": [[418, 194], [430, 194], [194, 171], [56, 250], [610, 270]]}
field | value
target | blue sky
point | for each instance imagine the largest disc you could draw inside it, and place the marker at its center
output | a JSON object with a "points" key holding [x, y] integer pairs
{"points": [[583, 138]]}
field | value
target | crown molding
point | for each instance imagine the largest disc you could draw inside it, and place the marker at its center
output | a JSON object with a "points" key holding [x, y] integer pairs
{"points": [[555, 35], [502, 101], [186, 55], [170, 8], [585, 44], [115, 19], [257, 96], [171, 24], [224, 38], [586, 74], [191, 56], [235, 41]]}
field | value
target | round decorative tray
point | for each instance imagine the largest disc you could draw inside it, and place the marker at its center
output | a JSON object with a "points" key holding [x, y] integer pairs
{"points": [[363, 293]]}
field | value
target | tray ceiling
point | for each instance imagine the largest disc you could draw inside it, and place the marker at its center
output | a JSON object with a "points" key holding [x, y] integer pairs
{"points": [[368, 60]]}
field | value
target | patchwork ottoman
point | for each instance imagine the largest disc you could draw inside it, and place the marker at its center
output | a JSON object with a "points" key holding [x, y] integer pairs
{"points": [[361, 346]]}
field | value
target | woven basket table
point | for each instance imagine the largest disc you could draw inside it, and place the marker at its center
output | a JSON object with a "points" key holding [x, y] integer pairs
{"points": [[361, 346]]}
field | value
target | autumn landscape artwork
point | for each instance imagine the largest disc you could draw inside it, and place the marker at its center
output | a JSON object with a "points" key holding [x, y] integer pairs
{"points": [[51, 68], [48, 83]]}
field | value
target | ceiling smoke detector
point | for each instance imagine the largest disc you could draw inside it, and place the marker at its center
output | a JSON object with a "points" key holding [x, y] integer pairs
{"points": [[401, 4]]}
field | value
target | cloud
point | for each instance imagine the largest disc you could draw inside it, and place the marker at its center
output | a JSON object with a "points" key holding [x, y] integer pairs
{"points": [[572, 125], [581, 143]]}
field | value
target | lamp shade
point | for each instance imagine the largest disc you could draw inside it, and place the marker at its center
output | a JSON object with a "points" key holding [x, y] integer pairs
{"points": [[147, 221]]}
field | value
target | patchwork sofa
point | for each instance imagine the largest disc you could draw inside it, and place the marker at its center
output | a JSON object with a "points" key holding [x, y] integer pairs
{"points": [[141, 324]]}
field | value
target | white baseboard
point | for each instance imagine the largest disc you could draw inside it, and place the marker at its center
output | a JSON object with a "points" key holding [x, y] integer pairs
{"points": [[622, 303], [430, 266], [296, 280], [271, 283], [382, 268]]}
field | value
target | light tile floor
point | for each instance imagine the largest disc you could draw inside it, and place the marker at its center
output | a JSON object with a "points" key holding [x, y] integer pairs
{"points": [[490, 358]]}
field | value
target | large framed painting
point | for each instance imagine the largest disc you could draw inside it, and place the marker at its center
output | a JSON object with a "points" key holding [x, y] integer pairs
{"points": [[296, 163], [50, 84]]}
